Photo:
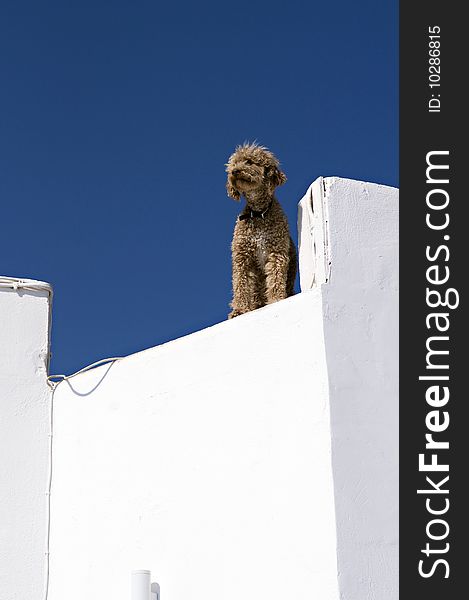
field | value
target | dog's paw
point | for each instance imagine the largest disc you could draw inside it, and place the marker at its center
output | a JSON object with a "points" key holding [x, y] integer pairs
{"points": [[276, 298]]}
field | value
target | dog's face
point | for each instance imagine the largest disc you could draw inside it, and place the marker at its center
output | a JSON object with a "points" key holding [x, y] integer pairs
{"points": [[252, 168]]}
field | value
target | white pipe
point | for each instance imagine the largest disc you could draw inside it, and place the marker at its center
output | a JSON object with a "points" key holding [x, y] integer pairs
{"points": [[140, 585]]}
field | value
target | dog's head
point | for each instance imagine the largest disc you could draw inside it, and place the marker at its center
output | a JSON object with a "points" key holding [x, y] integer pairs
{"points": [[252, 168]]}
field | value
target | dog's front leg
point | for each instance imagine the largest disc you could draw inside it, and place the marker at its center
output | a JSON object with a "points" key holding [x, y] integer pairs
{"points": [[245, 284], [276, 271]]}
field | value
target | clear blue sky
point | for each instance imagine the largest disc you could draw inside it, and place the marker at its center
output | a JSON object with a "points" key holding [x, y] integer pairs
{"points": [[116, 119]]}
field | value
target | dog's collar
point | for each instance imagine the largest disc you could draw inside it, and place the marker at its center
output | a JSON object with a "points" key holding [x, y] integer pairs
{"points": [[252, 214]]}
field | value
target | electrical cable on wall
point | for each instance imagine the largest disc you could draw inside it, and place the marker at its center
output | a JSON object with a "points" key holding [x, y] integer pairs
{"points": [[53, 381], [31, 285], [51, 378]]}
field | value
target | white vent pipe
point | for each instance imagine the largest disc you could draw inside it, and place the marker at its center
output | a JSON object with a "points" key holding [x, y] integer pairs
{"points": [[141, 582], [142, 588]]}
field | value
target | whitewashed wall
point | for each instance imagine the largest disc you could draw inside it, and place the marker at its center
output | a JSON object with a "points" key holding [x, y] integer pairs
{"points": [[206, 460], [350, 232], [24, 441], [257, 458]]}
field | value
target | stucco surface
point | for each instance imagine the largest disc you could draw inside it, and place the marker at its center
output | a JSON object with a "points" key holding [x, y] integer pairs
{"points": [[206, 460], [361, 331], [24, 441], [257, 458]]}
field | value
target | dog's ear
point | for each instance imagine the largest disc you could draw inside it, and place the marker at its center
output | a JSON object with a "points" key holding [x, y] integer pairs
{"points": [[277, 176], [232, 191], [281, 177]]}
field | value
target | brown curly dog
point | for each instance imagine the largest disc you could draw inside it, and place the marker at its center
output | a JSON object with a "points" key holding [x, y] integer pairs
{"points": [[263, 253]]}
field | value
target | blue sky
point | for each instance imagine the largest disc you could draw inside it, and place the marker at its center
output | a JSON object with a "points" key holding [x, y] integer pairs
{"points": [[116, 119]]}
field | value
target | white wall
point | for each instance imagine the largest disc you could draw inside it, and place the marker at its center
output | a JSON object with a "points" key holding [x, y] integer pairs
{"points": [[206, 460], [256, 458], [24, 441], [359, 260], [361, 325]]}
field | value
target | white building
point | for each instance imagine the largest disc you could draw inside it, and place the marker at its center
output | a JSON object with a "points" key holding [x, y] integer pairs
{"points": [[254, 459]]}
